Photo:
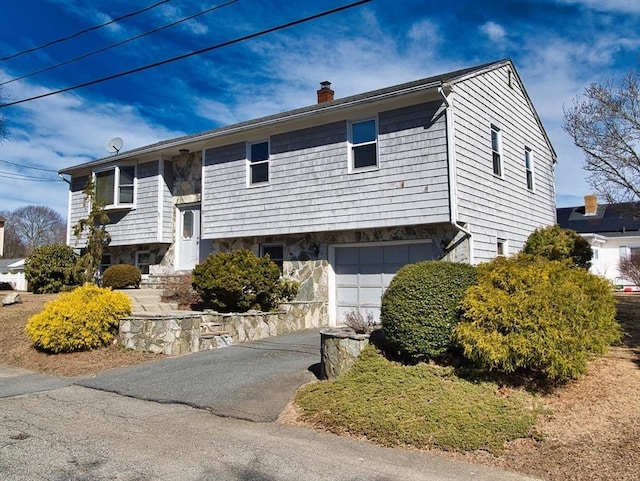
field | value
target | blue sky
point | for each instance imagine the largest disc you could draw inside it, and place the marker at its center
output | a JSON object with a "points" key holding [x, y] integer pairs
{"points": [[558, 47]]}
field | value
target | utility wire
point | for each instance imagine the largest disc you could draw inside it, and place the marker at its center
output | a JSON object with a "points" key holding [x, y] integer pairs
{"points": [[77, 34], [27, 167], [29, 178], [117, 44], [191, 54]]}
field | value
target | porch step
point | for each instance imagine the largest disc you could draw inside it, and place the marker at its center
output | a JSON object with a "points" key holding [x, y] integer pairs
{"points": [[209, 330], [148, 300]]}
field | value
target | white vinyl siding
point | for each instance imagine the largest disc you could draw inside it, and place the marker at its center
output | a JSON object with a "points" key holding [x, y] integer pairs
{"points": [[310, 189]]}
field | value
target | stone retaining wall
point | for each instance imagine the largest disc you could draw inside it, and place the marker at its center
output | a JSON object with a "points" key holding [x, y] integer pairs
{"points": [[181, 333]]}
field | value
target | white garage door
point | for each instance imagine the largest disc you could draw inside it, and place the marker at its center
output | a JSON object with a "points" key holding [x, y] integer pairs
{"points": [[364, 272]]}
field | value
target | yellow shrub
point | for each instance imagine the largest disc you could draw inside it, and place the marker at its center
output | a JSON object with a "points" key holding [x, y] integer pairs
{"points": [[85, 318]]}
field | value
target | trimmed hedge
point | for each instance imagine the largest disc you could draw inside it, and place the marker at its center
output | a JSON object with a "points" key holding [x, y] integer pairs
{"points": [[556, 244], [238, 281], [119, 276], [49, 268], [420, 307], [529, 313], [85, 318]]}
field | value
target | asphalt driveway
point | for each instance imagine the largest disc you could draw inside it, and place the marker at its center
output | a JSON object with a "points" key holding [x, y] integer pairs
{"points": [[252, 381]]}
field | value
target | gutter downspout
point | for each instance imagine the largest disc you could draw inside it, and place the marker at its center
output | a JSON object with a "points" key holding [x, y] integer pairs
{"points": [[445, 91]]}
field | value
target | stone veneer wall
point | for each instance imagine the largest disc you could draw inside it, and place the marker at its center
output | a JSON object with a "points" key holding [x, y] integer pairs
{"points": [[181, 333]]}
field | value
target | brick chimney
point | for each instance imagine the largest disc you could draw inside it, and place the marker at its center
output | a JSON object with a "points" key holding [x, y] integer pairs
{"points": [[325, 94], [590, 204]]}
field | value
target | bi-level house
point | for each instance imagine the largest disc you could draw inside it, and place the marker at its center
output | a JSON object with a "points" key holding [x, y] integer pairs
{"points": [[341, 193]]}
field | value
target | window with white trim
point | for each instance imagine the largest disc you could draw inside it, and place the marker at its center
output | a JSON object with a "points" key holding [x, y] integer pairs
{"points": [[115, 186], [501, 247], [496, 150], [364, 144], [528, 165], [258, 157]]}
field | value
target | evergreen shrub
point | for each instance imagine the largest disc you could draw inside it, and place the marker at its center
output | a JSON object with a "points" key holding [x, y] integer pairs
{"points": [[83, 319], [529, 313], [49, 268], [119, 276], [238, 281], [420, 307], [556, 244]]}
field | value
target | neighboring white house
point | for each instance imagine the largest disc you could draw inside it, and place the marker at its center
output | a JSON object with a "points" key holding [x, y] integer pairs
{"points": [[613, 230], [12, 273], [341, 193]]}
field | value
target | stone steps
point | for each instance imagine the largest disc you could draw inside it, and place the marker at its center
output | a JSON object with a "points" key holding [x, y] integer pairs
{"points": [[148, 300]]}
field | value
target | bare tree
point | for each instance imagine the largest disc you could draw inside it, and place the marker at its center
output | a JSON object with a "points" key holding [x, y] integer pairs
{"points": [[605, 123], [38, 225], [13, 246]]}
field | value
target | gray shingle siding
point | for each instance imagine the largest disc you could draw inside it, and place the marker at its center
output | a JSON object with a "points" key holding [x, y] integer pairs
{"points": [[311, 189]]}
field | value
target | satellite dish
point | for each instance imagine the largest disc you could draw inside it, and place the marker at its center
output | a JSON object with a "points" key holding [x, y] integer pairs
{"points": [[114, 145]]}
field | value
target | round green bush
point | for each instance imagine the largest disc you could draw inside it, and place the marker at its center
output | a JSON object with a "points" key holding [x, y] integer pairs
{"points": [[420, 307], [119, 276], [556, 244], [82, 319], [529, 313], [49, 268], [238, 281]]}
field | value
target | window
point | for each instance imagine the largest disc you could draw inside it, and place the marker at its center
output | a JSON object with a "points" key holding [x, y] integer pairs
{"points": [[528, 165], [143, 260], [187, 224], [115, 187], [258, 163], [275, 253], [105, 262], [501, 247], [364, 145], [496, 149], [634, 252]]}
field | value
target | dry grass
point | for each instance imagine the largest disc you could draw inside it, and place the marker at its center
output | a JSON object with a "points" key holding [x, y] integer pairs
{"points": [[16, 348]]}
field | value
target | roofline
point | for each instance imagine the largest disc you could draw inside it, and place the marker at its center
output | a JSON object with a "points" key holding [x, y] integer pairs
{"points": [[308, 111]]}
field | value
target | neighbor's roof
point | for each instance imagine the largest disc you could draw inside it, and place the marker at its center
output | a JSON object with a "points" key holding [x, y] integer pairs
{"points": [[621, 218], [387, 92]]}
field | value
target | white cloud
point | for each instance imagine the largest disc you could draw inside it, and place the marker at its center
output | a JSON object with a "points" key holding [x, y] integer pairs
{"points": [[61, 131], [494, 31], [425, 30], [624, 6]]}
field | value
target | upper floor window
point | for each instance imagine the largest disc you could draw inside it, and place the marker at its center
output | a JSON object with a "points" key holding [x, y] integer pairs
{"points": [[496, 150], [258, 157], [364, 144], [528, 165], [115, 186]]}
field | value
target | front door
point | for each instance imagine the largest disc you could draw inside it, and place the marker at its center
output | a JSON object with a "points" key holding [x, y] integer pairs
{"points": [[188, 238]]}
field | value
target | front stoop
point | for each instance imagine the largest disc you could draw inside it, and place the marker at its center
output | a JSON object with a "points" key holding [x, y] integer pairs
{"points": [[146, 300]]}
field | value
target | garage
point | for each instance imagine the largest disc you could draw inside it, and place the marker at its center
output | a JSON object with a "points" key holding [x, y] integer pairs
{"points": [[363, 272]]}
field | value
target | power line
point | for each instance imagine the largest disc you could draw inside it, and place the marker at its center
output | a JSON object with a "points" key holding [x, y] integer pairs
{"points": [[28, 178], [191, 54], [117, 44], [27, 167], [77, 34]]}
